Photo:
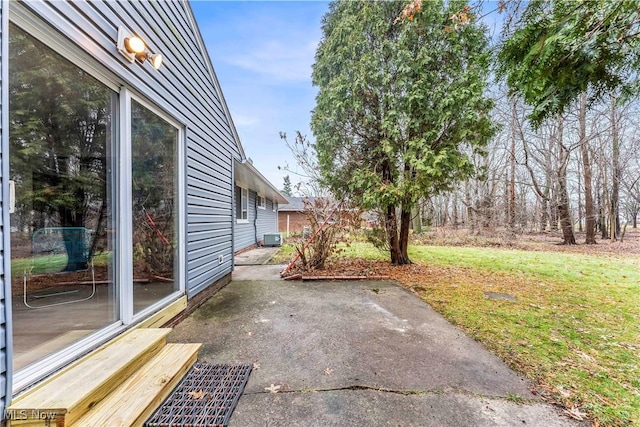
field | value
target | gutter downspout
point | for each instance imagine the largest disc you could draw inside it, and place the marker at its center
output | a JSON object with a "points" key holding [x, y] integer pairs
{"points": [[233, 214], [255, 219], [255, 208]]}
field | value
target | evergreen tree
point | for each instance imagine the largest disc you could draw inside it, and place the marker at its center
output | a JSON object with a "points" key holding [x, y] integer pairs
{"points": [[286, 189], [558, 50], [400, 106]]}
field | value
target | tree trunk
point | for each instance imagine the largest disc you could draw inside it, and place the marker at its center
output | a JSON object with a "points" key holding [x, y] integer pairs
{"points": [[603, 219], [605, 203], [542, 193], [470, 215], [551, 194], [512, 163], [391, 225], [417, 219], [590, 219], [544, 213], [564, 210], [391, 220], [565, 214], [444, 211], [455, 218], [405, 222], [615, 177], [579, 177]]}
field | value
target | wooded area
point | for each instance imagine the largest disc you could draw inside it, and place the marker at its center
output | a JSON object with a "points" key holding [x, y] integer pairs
{"points": [[566, 96], [579, 171], [396, 132]]}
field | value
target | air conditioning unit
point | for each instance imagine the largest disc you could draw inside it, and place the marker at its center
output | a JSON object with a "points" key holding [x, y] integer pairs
{"points": [[272, 239]]}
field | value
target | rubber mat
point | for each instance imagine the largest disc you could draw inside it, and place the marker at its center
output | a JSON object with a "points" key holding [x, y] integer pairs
{"points": [[206, 396]]}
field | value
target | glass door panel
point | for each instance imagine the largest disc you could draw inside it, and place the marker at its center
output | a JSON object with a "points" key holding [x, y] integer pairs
{"points": [[154, 154], [62, 229]]}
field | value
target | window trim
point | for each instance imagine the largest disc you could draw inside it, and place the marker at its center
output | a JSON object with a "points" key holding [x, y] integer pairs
{"points": [[244, 206], [262, 205], [180, 273]]}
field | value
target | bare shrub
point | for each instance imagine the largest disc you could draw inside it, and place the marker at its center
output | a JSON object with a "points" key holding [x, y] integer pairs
{"points": [[330, 224]]}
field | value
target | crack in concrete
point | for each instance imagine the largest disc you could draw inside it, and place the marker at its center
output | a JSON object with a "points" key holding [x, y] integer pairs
{"points": [[509, 398]]}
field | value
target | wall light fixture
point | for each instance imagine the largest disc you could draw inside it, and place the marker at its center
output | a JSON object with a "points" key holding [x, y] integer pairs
{"points": [[154, 58], [134, 48]]}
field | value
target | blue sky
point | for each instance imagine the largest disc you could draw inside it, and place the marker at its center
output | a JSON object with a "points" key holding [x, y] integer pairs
{"points": [[262, 53]]}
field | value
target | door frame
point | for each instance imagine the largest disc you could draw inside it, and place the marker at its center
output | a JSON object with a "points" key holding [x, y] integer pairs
{"points": [[17, 381]]}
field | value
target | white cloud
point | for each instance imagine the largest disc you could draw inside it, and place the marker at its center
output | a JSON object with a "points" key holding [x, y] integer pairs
{"points": [[275, 59], [243, 120]]}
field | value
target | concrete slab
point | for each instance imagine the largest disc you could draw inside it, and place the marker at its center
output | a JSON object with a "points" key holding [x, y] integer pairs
{"points": [[374, 408], [257, 272], [258, 256], [356, 353]]}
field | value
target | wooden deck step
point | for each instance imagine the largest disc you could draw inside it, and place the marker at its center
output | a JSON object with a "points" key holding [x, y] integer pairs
{"points": [[69, 394], [134, 401]]}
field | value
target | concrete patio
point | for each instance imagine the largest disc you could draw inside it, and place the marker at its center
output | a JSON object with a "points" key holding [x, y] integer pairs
{"points": [[356, 354]]}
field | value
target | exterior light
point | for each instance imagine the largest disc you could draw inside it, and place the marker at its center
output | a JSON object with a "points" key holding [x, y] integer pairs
{"points": [[129, 44], [134, 48], [134, 44], [156, 60]]}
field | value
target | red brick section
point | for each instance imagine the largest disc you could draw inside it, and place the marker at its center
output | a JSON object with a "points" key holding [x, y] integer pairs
{"points": [[297, 221]]}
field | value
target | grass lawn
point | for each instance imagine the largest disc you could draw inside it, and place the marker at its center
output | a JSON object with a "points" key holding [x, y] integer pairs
{"points": [[50, 263], [284, 255], [574, 328]]}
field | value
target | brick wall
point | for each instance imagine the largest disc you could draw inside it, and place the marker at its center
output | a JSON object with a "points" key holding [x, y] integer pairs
{"points": [[297, 221]]}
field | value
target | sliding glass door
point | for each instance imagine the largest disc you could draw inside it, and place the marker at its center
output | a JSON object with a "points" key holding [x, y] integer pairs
{"points": [[154, 187], [61, 130], [95, 220]]}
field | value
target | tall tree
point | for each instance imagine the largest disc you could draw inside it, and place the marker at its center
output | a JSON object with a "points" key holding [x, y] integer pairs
{"points": [[614, 214], [512, 168], [564, 208], [286, 186], [400, 106], [590, 216], [560, 49]]}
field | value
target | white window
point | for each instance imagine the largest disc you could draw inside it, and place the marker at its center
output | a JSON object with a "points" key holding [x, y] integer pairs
{"points": [[261, 201], [242, 204]]}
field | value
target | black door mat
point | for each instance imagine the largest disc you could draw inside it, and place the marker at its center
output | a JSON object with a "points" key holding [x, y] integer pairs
{"points": [[206, 396]]}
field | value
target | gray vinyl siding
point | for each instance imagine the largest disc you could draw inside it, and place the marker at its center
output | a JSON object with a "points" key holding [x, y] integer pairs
{"points": [[4, 360], [259, 222], [267, 220], [184, 88]]}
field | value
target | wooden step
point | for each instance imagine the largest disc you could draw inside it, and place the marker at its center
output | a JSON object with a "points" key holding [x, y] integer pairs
{"points": [[133, 402], [69, 394]]}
